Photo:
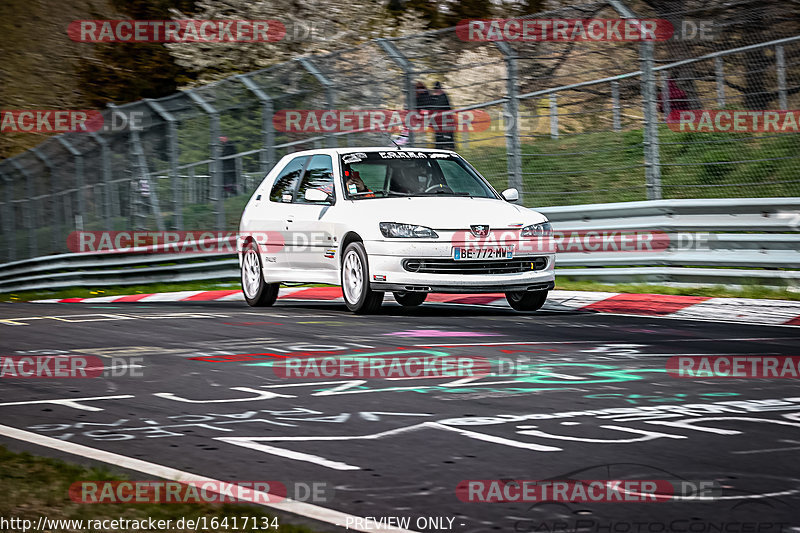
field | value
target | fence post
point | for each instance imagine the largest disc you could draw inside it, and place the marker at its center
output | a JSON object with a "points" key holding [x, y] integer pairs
{"points": [[216, 164], [111, 208], [719, 74], [172, 157], [652, 150], [141, 170], [266, 156], [780, 65], [79, 181], [330, 94], [652, 164], [513, 146], [402, 61], [615, 108], [192, 187], [553, 115], [56, 215], [8, 218], [30, 213]]}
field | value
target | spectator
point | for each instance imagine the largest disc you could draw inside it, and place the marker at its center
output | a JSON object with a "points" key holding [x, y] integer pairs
{"points": [[441, 103], [678, 100], [230, 177], [422, 96]]}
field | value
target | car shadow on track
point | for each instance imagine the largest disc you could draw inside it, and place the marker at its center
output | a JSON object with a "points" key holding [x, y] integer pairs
{"points": [[430, 309]]}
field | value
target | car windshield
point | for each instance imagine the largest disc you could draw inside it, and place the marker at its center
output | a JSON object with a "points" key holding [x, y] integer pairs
{"points": [[398, 173]]}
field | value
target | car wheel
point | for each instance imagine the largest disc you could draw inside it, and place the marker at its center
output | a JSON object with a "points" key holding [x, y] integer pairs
{"points": [[410, 299], [358, 297], [526, 301], [257, 292]]}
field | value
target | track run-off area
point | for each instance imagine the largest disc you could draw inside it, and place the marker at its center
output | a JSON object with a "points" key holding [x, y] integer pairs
{"points": [[191, 390]]}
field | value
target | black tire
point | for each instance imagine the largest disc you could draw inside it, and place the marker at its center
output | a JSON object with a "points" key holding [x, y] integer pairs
{"points": [[257, 292], [358, 297], [410, 299], [526, 301]]}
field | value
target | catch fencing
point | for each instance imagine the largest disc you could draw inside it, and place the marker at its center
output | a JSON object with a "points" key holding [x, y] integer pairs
{"points": [[571, 123]]}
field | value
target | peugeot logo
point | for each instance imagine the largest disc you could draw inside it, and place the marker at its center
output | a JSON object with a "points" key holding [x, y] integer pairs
{"points": [[479, 230]]}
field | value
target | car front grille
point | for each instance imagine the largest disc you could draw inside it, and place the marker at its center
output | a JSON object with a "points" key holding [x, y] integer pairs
{"points": [[451, 266]]}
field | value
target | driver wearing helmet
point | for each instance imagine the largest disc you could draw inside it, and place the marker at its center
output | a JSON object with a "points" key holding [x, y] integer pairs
{"points": [[410, 178]]}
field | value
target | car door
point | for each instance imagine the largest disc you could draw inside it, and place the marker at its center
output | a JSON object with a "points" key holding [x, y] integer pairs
{"points": [[311, 226], [270, 216]]}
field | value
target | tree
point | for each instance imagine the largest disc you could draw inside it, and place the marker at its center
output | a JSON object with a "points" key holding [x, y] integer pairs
{"points": [[313, 27], [428, 9], [124, 72], [733, 24]]}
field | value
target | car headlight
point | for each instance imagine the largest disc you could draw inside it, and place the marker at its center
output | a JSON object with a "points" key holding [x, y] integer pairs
{"points": [[398, 230], [543, 229]]}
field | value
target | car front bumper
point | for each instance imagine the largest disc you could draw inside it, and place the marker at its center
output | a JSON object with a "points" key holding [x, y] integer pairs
{"points": [[388, 274]]}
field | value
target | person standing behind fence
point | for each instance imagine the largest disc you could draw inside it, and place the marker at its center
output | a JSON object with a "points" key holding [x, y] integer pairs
{"points": [[676, 99], [439, 104], [230, 178], [422, 98]]}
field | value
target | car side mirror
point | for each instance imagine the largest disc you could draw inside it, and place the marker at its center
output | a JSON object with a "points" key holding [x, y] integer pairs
{"points": [[510, 195], [317, 195]]}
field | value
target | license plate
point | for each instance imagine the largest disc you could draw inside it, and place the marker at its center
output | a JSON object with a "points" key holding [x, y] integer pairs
{"points": [[499, 252]]}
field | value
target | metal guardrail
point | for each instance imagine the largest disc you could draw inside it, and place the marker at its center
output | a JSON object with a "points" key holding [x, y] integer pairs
{"points": [[570, 122], [751, 240], [765, 248]]}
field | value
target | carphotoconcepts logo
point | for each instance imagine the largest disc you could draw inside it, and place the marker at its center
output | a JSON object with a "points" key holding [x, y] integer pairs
{"points": [[564, 30], [361, 120], [582, 491], [734, 121], [69, 366], [734, 366], [176, 31], [680, 525], [50, 121]]}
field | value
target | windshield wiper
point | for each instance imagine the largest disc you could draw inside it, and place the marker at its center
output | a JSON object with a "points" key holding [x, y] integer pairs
{"points": [[366, 194], [453, 193]]}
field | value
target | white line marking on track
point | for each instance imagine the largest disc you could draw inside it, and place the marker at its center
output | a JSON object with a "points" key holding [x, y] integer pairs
{"points": [[72, 402], [767, 450], [246, 442], [308, 510]]}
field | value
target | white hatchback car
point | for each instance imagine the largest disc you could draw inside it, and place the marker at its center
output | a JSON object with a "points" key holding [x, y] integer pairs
{"points": [[409, 221]]}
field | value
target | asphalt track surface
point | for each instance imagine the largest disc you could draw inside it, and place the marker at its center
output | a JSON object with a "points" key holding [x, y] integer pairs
{"points": [[593, 402]]}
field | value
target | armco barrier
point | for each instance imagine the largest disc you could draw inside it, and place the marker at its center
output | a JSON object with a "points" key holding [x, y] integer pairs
{"points": [[750, 240], [745, 240]]}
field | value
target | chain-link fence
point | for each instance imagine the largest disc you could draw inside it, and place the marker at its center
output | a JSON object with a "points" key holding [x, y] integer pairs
{"points": [[571, 122]]}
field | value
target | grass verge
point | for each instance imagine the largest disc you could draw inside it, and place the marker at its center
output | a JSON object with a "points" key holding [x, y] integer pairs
{"points": [[89, 292], [37, 486]]}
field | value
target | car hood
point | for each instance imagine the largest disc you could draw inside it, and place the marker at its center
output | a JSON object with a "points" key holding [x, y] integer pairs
{"points": [[444, 213]]}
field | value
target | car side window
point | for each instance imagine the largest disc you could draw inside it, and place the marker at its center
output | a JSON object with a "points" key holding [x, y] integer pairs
{"points": [[459, 179], [319, 175], [283, 189]]}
